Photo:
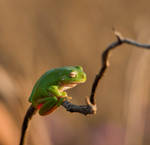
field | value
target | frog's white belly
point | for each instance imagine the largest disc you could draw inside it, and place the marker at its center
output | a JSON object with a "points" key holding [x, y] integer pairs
{"points": [[67, 86]]}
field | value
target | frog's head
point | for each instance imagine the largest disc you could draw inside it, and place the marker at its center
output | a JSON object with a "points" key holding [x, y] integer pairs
{"points": [[73, 75]]}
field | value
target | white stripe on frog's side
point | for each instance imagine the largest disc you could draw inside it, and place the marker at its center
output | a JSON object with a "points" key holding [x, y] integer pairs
{"points": [[67, 86]]}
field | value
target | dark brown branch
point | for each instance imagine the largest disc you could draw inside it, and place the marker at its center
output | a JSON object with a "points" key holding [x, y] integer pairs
{"points": [[90, 108], [29, 114], [84, 109]]}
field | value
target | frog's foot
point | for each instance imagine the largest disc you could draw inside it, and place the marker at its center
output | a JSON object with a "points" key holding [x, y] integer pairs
{"points": [[65, 98], [69, 98], [61, 99]]}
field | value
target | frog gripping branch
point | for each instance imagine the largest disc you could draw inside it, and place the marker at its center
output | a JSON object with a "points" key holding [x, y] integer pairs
{"points": [[49, 91]]}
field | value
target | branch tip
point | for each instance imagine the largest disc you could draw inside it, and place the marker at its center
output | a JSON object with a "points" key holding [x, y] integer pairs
{"points": [[119, 36]]}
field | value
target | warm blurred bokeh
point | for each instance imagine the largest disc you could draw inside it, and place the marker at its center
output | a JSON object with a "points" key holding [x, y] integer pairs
{"points": [[36, 36]]}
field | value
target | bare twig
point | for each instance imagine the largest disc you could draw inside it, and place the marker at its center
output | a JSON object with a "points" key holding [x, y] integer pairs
{"points": [[84, 109], [90, 108]]}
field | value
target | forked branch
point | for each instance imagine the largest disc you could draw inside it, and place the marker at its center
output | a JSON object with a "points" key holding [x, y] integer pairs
{"points": [[90, 108]]}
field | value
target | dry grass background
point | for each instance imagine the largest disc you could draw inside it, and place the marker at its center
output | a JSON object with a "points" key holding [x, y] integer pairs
{"points": [[39, 35]]}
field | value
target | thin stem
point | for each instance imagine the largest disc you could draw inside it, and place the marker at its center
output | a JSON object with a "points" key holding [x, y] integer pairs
{"points": [[29, 114], [91, 102]]}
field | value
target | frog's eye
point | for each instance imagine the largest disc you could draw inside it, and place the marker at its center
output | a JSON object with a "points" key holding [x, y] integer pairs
{"points": [[73, 74]]}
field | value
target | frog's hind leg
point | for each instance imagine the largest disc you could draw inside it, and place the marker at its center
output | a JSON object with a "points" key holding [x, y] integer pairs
{"points": [[55, 106], [47, 105], [51, 110]]}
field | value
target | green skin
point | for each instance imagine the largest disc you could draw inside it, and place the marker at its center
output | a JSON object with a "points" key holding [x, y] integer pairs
{"points": [[49, 90]]}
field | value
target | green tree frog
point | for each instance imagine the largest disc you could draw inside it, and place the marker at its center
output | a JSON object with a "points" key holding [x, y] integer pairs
{"points": [[49, 91]]}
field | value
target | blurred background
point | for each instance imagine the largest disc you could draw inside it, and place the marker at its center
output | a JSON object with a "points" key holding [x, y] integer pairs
{"points": [[36, 36]]}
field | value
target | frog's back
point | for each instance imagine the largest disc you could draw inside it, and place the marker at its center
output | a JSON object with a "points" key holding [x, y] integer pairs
{"points": [[39, 87], [35, 91], [51, 77]]}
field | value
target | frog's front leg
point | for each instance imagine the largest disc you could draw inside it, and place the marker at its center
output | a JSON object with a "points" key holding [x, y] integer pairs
{"points": [[54, 90]]}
